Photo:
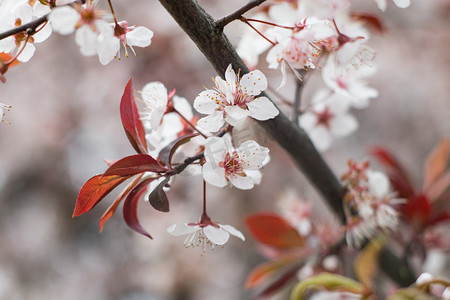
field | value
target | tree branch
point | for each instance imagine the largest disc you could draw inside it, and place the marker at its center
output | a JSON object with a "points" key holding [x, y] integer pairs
{"points": [[237, 14], [211, 41], [30, 26]]}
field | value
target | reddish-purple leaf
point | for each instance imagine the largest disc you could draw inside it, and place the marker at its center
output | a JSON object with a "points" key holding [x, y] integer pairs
{"points": [[436, 163], [130, 207], [397, 176], [281, 281], [94, 190], [263, 272], [134, 164], [158, 198], [166, 153], [417, 209], [112, 209], [273, 230], [131, 121]]}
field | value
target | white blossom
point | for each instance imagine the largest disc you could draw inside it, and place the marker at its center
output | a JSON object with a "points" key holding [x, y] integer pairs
{"points": [[240, 167], [203, 233], [3, 108], [234, 99]]}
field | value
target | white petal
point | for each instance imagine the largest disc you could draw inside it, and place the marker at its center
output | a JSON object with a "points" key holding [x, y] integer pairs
{"points": [[381, 4], [235, 114], [230, 78], [140, 37], [252, 154], [64, 19], [214, 174], [343, 125], [321, 138], [87, 40], [205, 102], [157, 116], [107, 48], [182, 229], [155, 94], [242, 182], [255, 175], [216, 235], [378, 183], [233, 231], [262, 109], [215, 149], [42, 34], [308, 121], [213, 122], [402, 3], [183, 106], [253, 83], [27, 53], [24, 13]]}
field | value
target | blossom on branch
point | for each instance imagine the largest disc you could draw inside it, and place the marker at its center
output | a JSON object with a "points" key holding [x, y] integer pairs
{"points": [[17, 13], [205, 232], [86, 20], [240, 166], [108, 46], [234, 99], [327, 118]]}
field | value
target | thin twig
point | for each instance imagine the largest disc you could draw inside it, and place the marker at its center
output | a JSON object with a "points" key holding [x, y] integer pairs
{"points": [[30, 26], [237, 14], [257, 31]]}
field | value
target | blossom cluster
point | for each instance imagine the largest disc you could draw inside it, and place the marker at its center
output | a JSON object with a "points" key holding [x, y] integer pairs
{"points": [[94, 33], [325, 35], [368, 204]]}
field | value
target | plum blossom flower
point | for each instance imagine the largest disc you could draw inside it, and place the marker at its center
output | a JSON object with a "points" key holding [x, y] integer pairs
{"points": [[155, 97], [369, 198], [234, 99], [349, 82], [108, 46], [205, 232], [327, 118], [17, 13], [240, 167], [86, 20], [4, 107], [400, 3], [298, 48]]}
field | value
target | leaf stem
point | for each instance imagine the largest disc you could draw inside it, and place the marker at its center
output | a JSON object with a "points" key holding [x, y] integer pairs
{"points": [[189, 123], [238, 13]]}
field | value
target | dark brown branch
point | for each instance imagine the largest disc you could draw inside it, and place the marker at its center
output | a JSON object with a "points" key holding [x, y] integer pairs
{"points": [[28, 27], [237, 14], [211, 41]]}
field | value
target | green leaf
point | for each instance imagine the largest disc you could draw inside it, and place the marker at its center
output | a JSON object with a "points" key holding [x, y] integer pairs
{"points": [[328, 281]]}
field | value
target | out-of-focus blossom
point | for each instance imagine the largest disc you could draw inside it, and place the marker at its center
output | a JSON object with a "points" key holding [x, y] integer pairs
{"points": [[108, 46], [400, 3], [424, 278], [155, 97], [298, 48], [17, 13], [234, 99], [86, 20], [446, 294], [369, 206], [327, 118], [240, 166], [205, 232], [349, 82], [326, 295], [4, 107], [296, 211]]}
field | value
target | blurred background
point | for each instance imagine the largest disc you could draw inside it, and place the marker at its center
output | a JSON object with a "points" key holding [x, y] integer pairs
{"points": [[65, 121]]}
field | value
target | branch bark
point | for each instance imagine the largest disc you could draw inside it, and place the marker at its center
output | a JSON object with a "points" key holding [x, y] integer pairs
{"points": [[31, 26], [209, 37]]}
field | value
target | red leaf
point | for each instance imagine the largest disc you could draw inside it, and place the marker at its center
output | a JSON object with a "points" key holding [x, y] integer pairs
{"points": [[131, 121], [94, 190], [264, 271], [417, 209], [398, 177], [158, 198], [281, 281], [168, 151], [134, 164], [436, 163], [130, 207], [273, 230], [112, 209]]}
